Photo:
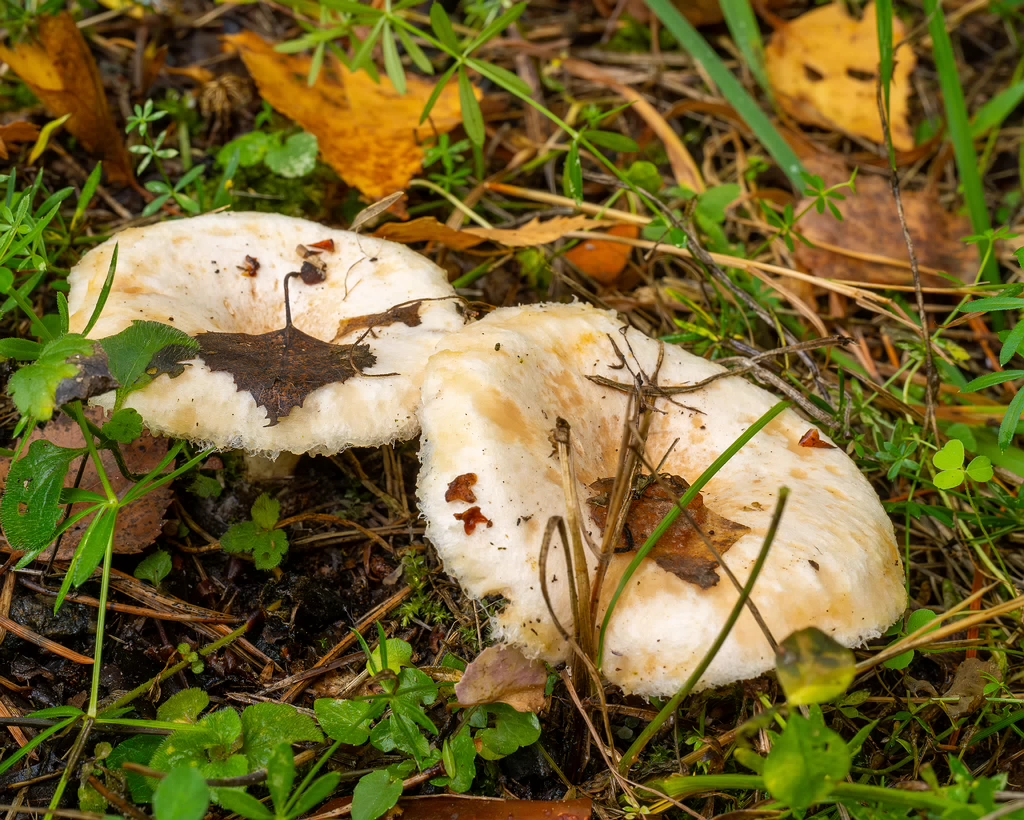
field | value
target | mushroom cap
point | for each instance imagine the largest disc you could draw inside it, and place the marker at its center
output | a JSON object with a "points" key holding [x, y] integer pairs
{"points": [[491, 397], [189, 273]]}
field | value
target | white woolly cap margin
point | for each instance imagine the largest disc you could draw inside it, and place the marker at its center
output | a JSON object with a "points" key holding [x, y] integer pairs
{"points": [[188, 273], [491, 397]]}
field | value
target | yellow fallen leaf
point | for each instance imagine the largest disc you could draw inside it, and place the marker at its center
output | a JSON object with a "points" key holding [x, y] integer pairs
{"points": [[368, 132], [60, 70], [823, 68], [535, 232], [44, 137]]}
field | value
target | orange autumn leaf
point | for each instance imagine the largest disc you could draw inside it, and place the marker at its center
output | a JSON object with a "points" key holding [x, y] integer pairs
{"points": [[604, 261], [15, 132], [60, 70], [823, 68], [368, 132]]}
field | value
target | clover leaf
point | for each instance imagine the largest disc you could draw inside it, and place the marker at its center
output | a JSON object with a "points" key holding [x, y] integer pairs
{"points": [[950, 461]]}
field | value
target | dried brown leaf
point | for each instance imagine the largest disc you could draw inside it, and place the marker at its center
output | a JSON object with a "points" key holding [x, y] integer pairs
{"points": [[535, 232], [503, 674], [871, 230], [681, 549], [972, 676], [279, 369], [408, 315]]}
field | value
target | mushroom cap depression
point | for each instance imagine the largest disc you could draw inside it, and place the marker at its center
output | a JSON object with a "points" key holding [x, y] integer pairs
{"points": [[491, 396], [224, 273]]}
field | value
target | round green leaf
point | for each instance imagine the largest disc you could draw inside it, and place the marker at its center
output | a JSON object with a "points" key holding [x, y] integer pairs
{"points": [[950, 457], [813, 668], [295, 158], [182, 795], [948, 479], [980, 469]]}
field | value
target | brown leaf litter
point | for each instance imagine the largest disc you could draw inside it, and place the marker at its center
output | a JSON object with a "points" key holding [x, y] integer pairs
{"points": [[534, 232], [868, 244], [281, 368], [503, 674]]}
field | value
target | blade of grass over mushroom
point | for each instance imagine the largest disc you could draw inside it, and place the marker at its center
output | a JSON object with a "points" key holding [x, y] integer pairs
{"points": [[731, 88], [683, 503], [742, 23], [960, 129], [669, 708]]}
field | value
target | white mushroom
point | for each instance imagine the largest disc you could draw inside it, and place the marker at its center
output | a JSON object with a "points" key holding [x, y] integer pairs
{"points": [[491, 396], [226, 273]]}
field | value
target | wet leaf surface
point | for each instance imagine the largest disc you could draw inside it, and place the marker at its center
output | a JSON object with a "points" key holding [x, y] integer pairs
{"points": [[460, 489], [502, 674], [281, 368], [681, 550]]}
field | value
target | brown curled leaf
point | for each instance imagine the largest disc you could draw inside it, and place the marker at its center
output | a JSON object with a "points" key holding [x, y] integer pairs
{"points": [[460, 489], [681, 549], [812, 438], [251, 266], [503, 674], [472, 518], [408, 315]]}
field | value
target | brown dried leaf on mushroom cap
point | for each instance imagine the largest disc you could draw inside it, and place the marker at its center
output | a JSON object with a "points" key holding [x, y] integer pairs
{"points": [[138, 524], [491, 395], [186, 273], [682, 550]]}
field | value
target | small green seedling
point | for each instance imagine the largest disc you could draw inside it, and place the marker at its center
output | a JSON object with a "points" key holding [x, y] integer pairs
{"points": [[292, 157], [154, 568], [258, 537], [950, 461], [915, 621]]}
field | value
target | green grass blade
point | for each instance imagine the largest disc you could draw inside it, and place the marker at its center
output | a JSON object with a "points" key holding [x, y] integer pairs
{"points": [[959, 128], [742, 23], [992, 113], [1009, 424], [883, 13], [735, 94]]}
